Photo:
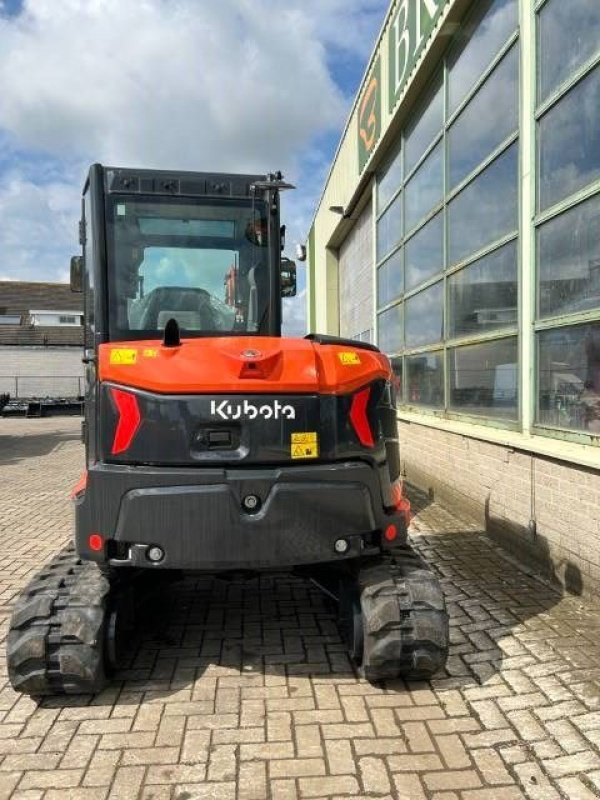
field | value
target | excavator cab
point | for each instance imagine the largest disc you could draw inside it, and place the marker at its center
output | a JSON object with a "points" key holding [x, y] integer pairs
{"points": [[214, 444], [168, 242]]}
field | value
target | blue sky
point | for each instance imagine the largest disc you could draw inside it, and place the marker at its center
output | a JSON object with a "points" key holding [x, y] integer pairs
{"points": [[254, 85]]}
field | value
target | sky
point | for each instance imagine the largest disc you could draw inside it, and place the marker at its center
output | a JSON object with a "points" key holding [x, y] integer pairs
{"points": [[208, 85]]}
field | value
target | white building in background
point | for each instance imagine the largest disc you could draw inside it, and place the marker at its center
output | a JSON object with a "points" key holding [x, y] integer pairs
{"points": [[41, 340]]}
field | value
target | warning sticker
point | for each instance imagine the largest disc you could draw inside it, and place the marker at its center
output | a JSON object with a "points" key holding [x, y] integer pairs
{"points": [[123, 356], [304, 445], [150, 352], [348, 359]]}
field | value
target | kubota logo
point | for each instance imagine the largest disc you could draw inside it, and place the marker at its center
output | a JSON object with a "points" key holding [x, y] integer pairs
{"points": [[247, 410]]}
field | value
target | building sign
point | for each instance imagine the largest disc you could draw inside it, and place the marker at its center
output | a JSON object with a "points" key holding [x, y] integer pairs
{"points": [[369, 116], [410, 27]]}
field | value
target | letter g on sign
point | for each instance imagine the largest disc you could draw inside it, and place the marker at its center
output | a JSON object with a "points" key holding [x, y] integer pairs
{"points": [[368, 116]]}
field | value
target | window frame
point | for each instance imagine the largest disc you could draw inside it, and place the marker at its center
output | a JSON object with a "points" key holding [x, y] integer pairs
{"points": [[525, 37], [399, 148], [539, 218]]}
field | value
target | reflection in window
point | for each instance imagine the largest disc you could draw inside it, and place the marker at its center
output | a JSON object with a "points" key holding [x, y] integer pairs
{"points": [[389, 228], [569, 145], [483, 296], [389, 279], [425, 188], [425, 316], [390, 330], [569, 378], [569, 35], [486, 209], [425, 127], [485, 33], [388, 182], [397, 379], [425, 380], [489, 118], [425, 252], [484, 378], [569, 261]]}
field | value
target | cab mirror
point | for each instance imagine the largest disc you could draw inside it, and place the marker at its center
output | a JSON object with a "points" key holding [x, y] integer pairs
{"points": [[288, 277], [77, 274]]}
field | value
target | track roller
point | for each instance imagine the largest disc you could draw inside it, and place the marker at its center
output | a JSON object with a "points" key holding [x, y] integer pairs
{"points": [[59, 635], [394, 617]]}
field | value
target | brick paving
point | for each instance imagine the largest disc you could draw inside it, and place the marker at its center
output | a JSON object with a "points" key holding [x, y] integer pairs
{"points": [[243, 690]]}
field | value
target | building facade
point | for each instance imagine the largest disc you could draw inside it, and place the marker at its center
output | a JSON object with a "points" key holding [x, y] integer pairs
{"points": [[459, 229], [41, 340]]}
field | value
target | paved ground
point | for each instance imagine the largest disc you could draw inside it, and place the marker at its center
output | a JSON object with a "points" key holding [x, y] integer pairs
{"points": [[244, 690]]}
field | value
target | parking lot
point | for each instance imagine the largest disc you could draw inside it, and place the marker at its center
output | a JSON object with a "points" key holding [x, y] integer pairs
{"points": [[244, 690]]}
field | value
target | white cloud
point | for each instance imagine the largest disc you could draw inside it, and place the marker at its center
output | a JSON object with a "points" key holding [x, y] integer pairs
{"points": [[241, 85], [213, 86], [294, 315], [38, 229]]}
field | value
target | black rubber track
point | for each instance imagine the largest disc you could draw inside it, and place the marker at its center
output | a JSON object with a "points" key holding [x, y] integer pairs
{"points": [[405, 624], [56, 637]]}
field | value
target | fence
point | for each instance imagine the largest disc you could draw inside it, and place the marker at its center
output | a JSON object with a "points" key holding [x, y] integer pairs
{"points": [[26, 387]]}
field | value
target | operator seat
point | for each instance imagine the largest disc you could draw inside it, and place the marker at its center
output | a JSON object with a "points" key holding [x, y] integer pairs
{"points": [[190, 307], [187, 320]]}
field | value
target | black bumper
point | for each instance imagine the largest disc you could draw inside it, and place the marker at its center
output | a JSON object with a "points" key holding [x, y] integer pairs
{"points": [[197, 516]]}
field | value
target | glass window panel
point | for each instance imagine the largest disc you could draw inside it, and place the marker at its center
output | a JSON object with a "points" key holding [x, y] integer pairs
{"points": [[388, 182], [425, 380], [484, 378], [397, 379], [425, 252], [425, 188], [483, 296], [569, 261], [569, 378], [569, 144], [486, 209], [480, 40], [389, 228], [390, 329], [389, 279], [425, 127], [489, 118], [425, 316], [569, 35]]}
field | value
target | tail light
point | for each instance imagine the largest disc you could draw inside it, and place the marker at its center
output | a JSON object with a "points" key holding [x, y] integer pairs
{"points": [[96, 542], [129, 419], [359, 418]]}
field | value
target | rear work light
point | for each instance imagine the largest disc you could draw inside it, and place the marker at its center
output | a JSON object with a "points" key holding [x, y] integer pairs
{"points": [[128, 422], [359, 418]]}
